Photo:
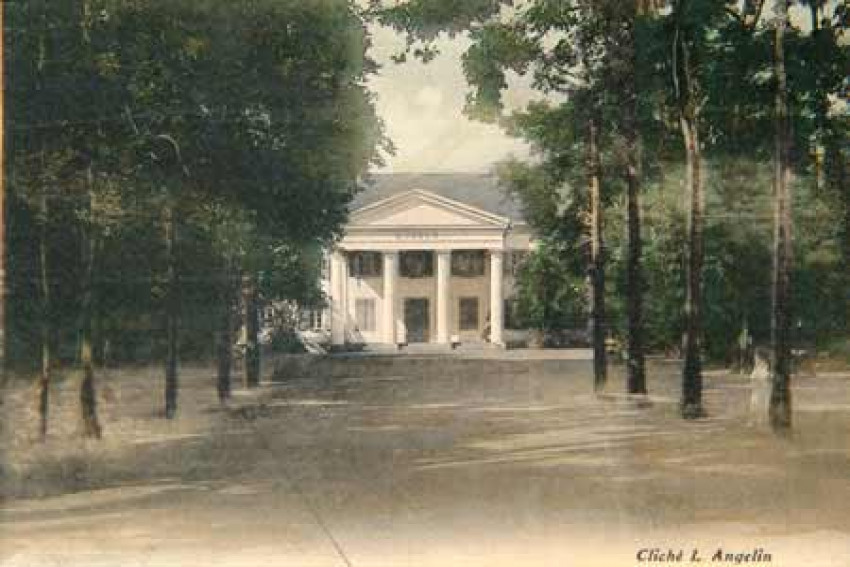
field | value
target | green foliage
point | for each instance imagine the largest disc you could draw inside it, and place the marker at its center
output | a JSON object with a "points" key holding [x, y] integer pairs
{"points": [[552, 286], [550, 295], [596, 58], [737, 278], [425, 19], [251, 120]]}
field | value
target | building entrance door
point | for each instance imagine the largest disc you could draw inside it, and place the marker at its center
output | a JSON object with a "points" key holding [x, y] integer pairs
{"points": [[416, 319]]}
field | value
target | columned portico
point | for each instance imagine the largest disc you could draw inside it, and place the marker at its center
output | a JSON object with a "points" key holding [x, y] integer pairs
{"points": [[420, 268]]}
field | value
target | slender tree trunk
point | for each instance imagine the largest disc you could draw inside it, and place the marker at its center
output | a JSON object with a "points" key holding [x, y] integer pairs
{"points": [[635, 364], [2, 210], [692, 373], [46, 324], [844, 192], [597, 260], [225, 336], [683, 81], [172, 308], [780, 396], [250, 296], [88, 392]]}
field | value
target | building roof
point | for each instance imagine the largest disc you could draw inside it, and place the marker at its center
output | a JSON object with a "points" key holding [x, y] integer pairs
{"points": [[475, 189]]}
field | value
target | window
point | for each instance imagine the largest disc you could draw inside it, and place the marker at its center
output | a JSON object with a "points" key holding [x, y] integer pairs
{"points": [[311, 319], [364, 315], [468, 313], [468, 263], [417, 264], [365, 264]]}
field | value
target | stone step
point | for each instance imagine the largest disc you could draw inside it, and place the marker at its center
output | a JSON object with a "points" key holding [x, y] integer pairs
{"points": [[421, 364]]}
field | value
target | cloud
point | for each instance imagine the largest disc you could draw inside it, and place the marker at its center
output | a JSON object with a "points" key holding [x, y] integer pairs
{"points": [[429, 98], [422, 106]]}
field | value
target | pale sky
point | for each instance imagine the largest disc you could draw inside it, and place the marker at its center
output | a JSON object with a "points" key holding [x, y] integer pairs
{"points": [[422, 105]]}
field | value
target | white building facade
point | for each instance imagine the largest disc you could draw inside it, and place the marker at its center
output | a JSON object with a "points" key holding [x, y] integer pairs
{"points": [[420, 267]]}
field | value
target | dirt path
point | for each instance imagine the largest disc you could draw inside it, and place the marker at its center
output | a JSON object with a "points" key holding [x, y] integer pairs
{"points": [[487, 468]]}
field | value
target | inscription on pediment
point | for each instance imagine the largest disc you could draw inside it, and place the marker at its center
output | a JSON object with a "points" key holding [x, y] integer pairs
{"points": [[417, 235]]}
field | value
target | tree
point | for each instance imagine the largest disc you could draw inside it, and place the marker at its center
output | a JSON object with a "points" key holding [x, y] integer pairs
{"points": [[251, 306], [683, 44], [3, 205], [231, 102], [88, 395], [780, 395], [802, 117], [597, 258], [62, 142], [552, 289], [688, 104], [46, 318], [635, 284], [230, 232], [166, 106]]}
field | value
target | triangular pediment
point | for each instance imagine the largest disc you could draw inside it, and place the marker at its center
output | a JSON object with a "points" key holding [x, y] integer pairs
{"points": [[421, 208]]}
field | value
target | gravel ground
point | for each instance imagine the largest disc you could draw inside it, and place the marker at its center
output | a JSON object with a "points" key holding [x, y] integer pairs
{"points": [[427, 463]]}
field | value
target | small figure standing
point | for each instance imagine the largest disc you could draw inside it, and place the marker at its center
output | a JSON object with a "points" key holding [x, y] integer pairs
{"points": [[760, 384], [744, 354]]}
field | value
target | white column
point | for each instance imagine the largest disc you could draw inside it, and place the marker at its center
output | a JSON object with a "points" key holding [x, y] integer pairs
{"points": [[339, 292], [390, 273], [497, 319], [444, 272]]}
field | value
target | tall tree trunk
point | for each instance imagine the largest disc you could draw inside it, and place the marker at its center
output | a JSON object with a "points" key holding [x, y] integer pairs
{"points": [[780, 395], [635, 364], [2, 210], [88, 392], [597, 259], [844, 191], [683, 81], [46, 323], [172, 308], [250, 297], [225, 336], [692, 374]]}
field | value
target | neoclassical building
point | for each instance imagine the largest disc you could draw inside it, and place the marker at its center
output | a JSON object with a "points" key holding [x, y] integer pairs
{"points": [[426, 259]]}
